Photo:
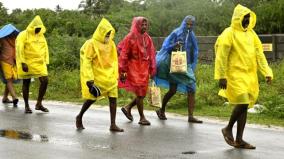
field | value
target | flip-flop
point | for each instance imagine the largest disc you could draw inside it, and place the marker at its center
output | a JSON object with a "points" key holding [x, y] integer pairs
{"points": [[160, 115], [41, 108], [244, 145], [130, 117], [227, 139], [144, 122]]}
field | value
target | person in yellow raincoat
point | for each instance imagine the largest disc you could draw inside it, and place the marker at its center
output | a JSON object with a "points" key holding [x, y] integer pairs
{"points": [[239, 54], [32, 58], [99, 71]]}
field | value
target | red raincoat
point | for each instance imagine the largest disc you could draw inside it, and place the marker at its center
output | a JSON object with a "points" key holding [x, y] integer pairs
{"points": [[137, 59]]}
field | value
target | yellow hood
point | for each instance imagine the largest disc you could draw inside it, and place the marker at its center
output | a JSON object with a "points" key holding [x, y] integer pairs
{"points": [[103, 28], [36, 23], [238, 16]]}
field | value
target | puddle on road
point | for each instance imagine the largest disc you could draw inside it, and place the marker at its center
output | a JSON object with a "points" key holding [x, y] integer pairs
{"points": [[21, 135], [189, 152]]}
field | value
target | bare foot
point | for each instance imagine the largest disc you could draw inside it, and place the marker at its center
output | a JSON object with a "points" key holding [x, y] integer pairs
{"points": [[79, 123], [115, 128], [228, 136]]}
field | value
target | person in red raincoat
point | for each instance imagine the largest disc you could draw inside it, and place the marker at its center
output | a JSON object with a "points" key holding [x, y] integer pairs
{"points": [[136, 64]]}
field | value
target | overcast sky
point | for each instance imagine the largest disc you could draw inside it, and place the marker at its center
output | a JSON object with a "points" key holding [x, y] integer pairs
{"points": [[31, 4]]}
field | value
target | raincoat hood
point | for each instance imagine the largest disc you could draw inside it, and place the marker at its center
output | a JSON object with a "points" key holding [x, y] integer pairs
{"points": [[238, 16], [8, 30], [36, 23], [137, 23], [183, 27], [103, 28]]}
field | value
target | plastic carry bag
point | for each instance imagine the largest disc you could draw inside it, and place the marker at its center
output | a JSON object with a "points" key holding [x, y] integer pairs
{"points": [[178, 62], [155, 95]]}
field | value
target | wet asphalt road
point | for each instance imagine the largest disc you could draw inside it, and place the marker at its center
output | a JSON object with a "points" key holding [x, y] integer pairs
{"points": [[174, 138]]}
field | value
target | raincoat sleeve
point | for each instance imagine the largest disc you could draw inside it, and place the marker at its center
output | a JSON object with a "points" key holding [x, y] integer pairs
{"points": [[89, 55], [123, 57], [170, 42], [261, 60], [153, 60], [20, 46], [222, 50], [46, 53], [195, 52]]}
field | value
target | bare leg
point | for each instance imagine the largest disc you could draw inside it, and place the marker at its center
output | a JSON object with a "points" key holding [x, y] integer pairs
{"points": [[130, 106], [11, 88], [42, 89], [172, 91], [25, 90], [79, 117], [127, 109], [241, 122], [112, 109], [140, 106], [228, 130], [5, 94], [12, 91], [191, 105]]}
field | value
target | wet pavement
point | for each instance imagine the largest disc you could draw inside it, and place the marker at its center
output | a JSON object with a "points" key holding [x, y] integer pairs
{"points": [[53, 135]]}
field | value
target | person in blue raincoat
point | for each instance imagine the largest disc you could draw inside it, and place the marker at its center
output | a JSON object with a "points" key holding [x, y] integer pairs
{"points": [[8, 70], [182, 38]]}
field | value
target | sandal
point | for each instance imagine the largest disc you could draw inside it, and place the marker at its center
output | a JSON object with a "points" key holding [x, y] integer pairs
{"points": [[6, 101], [244, 145], [161, 115], [144, 122], [41, 108], [128, 116], [15, 102], [228, 140]]}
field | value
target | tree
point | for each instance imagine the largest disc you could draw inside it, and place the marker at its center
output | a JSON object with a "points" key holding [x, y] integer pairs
{"points": [[95, 7], [3, 14]]}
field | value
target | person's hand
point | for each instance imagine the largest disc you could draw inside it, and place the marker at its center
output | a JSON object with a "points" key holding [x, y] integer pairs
{"points": [[90, 83], [223, 83], [123, 77], [268, 79], [178, 44], [25, 67]]}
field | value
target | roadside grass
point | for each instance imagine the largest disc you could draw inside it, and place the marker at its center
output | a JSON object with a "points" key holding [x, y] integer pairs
{"points": [[64, 85]]}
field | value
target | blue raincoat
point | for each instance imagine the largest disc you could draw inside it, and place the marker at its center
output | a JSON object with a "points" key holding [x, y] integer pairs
{"points": [[185, 82]]}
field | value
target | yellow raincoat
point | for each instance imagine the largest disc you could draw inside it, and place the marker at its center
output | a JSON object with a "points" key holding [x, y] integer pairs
{"points": [[98, 62], [239, 54], [32, 49]]}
